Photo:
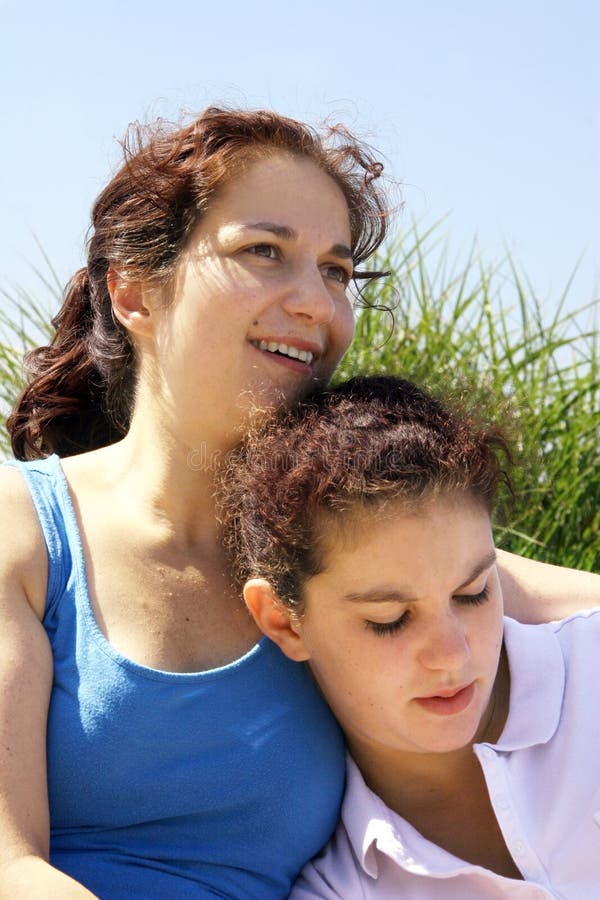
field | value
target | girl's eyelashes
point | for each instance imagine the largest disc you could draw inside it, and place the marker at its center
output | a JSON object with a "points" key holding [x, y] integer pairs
{"points": [[474, 599], [386, 628], [383, 628]]}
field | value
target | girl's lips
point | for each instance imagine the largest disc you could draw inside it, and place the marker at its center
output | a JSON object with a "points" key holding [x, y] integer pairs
{"points": [[450, 705]]}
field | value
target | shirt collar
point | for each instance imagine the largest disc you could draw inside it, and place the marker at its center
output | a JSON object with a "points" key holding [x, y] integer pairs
{"points": [[537, 684], [371, 826], [367, 821]]}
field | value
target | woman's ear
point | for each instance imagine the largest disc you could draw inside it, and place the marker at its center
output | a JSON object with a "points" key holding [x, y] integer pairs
{"points": [[274, 619], [129, 303]]}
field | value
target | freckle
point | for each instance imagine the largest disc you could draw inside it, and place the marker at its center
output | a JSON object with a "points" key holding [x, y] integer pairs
{"points": [[255, 322]]}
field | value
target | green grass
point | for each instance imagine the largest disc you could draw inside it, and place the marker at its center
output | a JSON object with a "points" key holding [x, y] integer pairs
{"points": [[461, 328], [479, 333], [24, 323]]}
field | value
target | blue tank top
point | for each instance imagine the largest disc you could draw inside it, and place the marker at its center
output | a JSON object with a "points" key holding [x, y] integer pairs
{"points": [[175, 785]]}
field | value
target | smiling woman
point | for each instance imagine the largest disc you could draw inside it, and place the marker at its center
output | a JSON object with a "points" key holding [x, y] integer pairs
{"points": [[248, 285], [239, 206], [361, 521]]}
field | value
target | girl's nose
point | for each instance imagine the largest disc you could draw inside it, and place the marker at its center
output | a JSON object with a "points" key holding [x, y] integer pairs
{"points": [[445, 645]]}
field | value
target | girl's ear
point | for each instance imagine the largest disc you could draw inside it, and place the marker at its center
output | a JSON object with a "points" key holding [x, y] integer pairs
{"points": [[274, 619], [129, 303]]}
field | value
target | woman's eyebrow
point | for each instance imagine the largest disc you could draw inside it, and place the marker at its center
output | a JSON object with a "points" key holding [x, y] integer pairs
{"points": [[281, 231], [288, 234]]}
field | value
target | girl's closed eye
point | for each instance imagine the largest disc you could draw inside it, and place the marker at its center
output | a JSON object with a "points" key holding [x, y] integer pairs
{"points": [[474, 599], [386, 628]]}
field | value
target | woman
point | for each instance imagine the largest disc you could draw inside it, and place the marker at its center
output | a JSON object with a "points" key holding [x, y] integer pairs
{"points": [[216, 282], [362, 521]]}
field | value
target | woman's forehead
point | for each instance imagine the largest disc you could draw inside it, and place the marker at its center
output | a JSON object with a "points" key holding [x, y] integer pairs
{"points": [[269, 186]]}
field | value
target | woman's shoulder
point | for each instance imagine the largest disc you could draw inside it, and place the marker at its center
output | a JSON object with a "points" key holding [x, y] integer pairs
{"points": [[23, 557], [18, 519]]}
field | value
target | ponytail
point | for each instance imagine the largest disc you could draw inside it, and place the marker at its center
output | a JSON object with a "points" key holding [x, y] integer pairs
{"points": [[80, 386]]}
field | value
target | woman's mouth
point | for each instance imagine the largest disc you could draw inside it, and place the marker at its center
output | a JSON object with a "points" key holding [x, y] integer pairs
{"points": [[448, 703], [287, 350]]}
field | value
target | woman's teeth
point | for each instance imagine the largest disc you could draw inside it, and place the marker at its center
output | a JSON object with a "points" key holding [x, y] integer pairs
{"points": [[304, 356]]}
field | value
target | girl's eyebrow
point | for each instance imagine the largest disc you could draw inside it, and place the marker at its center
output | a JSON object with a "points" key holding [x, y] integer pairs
{"points": [[288, 234], [377, 595], [393, 595], [488, 560]]}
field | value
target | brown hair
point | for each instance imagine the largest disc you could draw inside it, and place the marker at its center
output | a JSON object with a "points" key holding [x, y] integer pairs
{"points": [[359, 445], [81, 387]]}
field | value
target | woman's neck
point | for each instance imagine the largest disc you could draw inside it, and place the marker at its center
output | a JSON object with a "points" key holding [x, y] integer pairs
{"points": [[171, 488]]}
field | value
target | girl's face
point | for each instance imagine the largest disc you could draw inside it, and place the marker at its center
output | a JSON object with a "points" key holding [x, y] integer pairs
{"points": [[403, 627], [261, 309]]}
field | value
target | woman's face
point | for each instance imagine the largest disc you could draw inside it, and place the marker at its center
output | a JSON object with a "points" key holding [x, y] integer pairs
{"points": [[261, 309], [403, 627]]}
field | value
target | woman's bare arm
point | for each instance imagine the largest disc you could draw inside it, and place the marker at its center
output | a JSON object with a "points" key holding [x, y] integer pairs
{"points": [[25, 684], [537, 592]]}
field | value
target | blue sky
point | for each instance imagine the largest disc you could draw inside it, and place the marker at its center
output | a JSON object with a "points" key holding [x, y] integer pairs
{"points": [[486, 111]]}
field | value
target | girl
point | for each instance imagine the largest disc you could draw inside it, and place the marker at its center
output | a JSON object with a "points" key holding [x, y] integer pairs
{"points": [[151, 745], [362, 522]]}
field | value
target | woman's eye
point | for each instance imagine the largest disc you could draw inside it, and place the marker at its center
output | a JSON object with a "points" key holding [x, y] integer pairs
{"points": [[266, 250], [474, 599], [383, 628], [338, 273]]}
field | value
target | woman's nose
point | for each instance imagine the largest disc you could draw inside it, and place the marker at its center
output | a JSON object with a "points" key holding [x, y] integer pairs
{"points": [[309, 296]]}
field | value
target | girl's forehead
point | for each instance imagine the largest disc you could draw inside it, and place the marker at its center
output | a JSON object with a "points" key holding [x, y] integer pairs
{"points": [[353, 528]]}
